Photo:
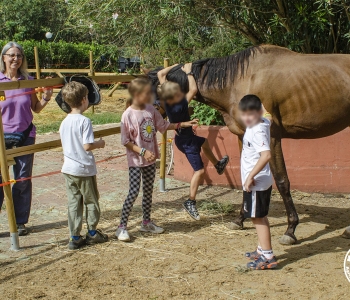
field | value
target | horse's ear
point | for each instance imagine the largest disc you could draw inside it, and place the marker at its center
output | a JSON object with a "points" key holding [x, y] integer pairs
{"points": [[145, 71]]}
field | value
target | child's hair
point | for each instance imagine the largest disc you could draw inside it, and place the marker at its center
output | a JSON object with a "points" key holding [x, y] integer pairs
{"points": [[250, 102], [73, 93], [167, 90], [128, 102], [137, 85]]}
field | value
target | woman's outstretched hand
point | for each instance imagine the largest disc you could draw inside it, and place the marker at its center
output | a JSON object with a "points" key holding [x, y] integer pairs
{"points": [[47, 92]]}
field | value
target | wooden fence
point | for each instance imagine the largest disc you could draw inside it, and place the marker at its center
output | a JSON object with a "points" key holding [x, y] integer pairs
{"points": [[7, 156]]}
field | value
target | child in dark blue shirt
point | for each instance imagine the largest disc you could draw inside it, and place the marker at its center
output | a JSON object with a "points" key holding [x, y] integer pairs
{"points": [[176, 106]]}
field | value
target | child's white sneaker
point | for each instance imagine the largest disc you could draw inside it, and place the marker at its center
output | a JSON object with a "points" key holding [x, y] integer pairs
{"points": [[122, 234], [151, 227]]}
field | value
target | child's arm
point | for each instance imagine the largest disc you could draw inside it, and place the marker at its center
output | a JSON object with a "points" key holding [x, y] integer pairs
{"points": [[95, 145], [265, 156], [192, 85], [266, 114], [174, 126], [149, 156], [163, 73]]}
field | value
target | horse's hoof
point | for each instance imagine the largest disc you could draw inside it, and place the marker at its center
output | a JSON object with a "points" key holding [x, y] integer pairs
{"points": [[346, 233], [287, 240], [234, 226]]}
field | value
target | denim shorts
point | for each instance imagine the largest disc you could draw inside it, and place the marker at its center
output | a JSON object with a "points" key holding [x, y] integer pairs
{"points": [[191, 147]]}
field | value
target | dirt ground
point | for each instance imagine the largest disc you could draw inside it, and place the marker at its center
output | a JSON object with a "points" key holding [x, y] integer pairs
{"points": [[191, 260]]}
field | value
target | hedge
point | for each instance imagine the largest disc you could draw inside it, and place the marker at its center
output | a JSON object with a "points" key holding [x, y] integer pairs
{"points": [[70, 55]]}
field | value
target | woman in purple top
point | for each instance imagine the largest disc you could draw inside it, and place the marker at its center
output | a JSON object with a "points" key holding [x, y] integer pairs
{"points": [[17, 117]]}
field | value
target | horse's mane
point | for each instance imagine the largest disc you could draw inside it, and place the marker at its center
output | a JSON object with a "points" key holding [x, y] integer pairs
{"points": [[210, 72]]}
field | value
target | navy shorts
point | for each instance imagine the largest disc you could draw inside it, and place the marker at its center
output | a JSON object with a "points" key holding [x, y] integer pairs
{"points": [[191, 147], [256, 203]]}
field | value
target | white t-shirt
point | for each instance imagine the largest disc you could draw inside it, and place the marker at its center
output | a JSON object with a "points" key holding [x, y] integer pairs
{"points": [[75, 131], [256, 139]]}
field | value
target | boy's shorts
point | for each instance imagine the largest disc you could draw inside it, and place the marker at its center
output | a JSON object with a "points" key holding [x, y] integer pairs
{"points": [[191, 146], [256, 203]]}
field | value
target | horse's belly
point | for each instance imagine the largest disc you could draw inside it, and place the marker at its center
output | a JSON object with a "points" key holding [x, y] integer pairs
{"points": [[301, 131]]}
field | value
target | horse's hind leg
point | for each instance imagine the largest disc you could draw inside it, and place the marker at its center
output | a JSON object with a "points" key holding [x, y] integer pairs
{"points": [[279, 171]]}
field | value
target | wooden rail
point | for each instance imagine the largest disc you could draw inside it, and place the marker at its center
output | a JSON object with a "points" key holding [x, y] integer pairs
{"points": [[102, 79], [70, 71], [11, 153]]}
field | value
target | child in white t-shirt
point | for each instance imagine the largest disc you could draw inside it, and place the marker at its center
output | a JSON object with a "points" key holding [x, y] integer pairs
{"points": [[139, 125], [257, 178], [79, 168]]}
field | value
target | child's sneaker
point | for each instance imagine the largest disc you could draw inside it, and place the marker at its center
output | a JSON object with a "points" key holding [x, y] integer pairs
{"points": [[252, 255], [22, 229], [98, 238], [262, 263], [221, 165], [190, 207], [151, 227], [76, 244], [122, 234]]}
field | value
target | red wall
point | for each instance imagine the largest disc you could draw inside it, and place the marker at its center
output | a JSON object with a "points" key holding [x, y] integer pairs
{"points": [[321, 165]]}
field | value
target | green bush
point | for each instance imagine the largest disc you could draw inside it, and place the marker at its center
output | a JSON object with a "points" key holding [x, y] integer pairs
{"points": [[63, 55], [206, 114]]}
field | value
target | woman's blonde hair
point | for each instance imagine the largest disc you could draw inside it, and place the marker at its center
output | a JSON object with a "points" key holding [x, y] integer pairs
{"points": [[137, 85], [168, 90], [24, 66]]}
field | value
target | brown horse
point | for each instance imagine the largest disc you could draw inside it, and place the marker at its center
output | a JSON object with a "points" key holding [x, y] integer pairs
{"points": [[308, 96]]}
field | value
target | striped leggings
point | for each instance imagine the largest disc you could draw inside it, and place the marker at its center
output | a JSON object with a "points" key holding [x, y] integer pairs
{"points": [[135, 174]]}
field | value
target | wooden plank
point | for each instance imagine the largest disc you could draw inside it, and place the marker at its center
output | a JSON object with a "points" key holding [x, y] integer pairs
{"points": [[84, 71], [59, 74], [110, 93], [105, 73], [11, 153], [113, 78], [78, 71], [21, 84]]}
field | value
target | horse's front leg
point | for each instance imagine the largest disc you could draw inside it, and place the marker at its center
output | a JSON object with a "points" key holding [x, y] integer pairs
{"points": [[279, 172]]}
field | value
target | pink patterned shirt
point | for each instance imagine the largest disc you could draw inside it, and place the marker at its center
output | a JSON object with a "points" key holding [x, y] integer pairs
{"points": [[140, 127]]}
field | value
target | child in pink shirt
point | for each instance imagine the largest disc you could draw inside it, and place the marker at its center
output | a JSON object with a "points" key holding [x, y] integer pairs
{"points": [[139, 125]]}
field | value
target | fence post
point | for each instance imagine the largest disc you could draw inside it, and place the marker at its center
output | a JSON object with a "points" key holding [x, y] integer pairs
{"points": [[8, 192], [92, 73], [163, 150], [37, 66]]}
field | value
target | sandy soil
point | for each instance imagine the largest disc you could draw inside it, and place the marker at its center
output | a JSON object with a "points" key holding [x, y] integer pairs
{"points": [[191, 260]]}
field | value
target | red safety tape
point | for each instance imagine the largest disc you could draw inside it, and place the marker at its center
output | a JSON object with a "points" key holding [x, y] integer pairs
{"points": [[34, 91], [54, 172]]}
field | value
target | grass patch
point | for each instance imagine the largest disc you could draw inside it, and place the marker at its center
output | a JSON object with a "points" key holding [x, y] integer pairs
{"points": [[216, 207], [108, 111], [96, 119]]}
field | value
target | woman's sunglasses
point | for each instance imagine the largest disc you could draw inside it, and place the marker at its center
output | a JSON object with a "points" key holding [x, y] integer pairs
{"points": [[18, 56]]}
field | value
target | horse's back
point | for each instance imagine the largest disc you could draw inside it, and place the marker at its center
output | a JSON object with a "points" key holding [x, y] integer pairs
{"points": [[309, 92]]}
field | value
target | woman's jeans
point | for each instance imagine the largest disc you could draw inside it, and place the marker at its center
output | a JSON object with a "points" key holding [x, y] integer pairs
{"points": [[22, 191]]}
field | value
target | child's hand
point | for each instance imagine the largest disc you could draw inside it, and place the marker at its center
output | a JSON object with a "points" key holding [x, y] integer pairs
{"points": [[190, 123], [101, 143], [248, 183], [149, 156], [187, 68]]}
